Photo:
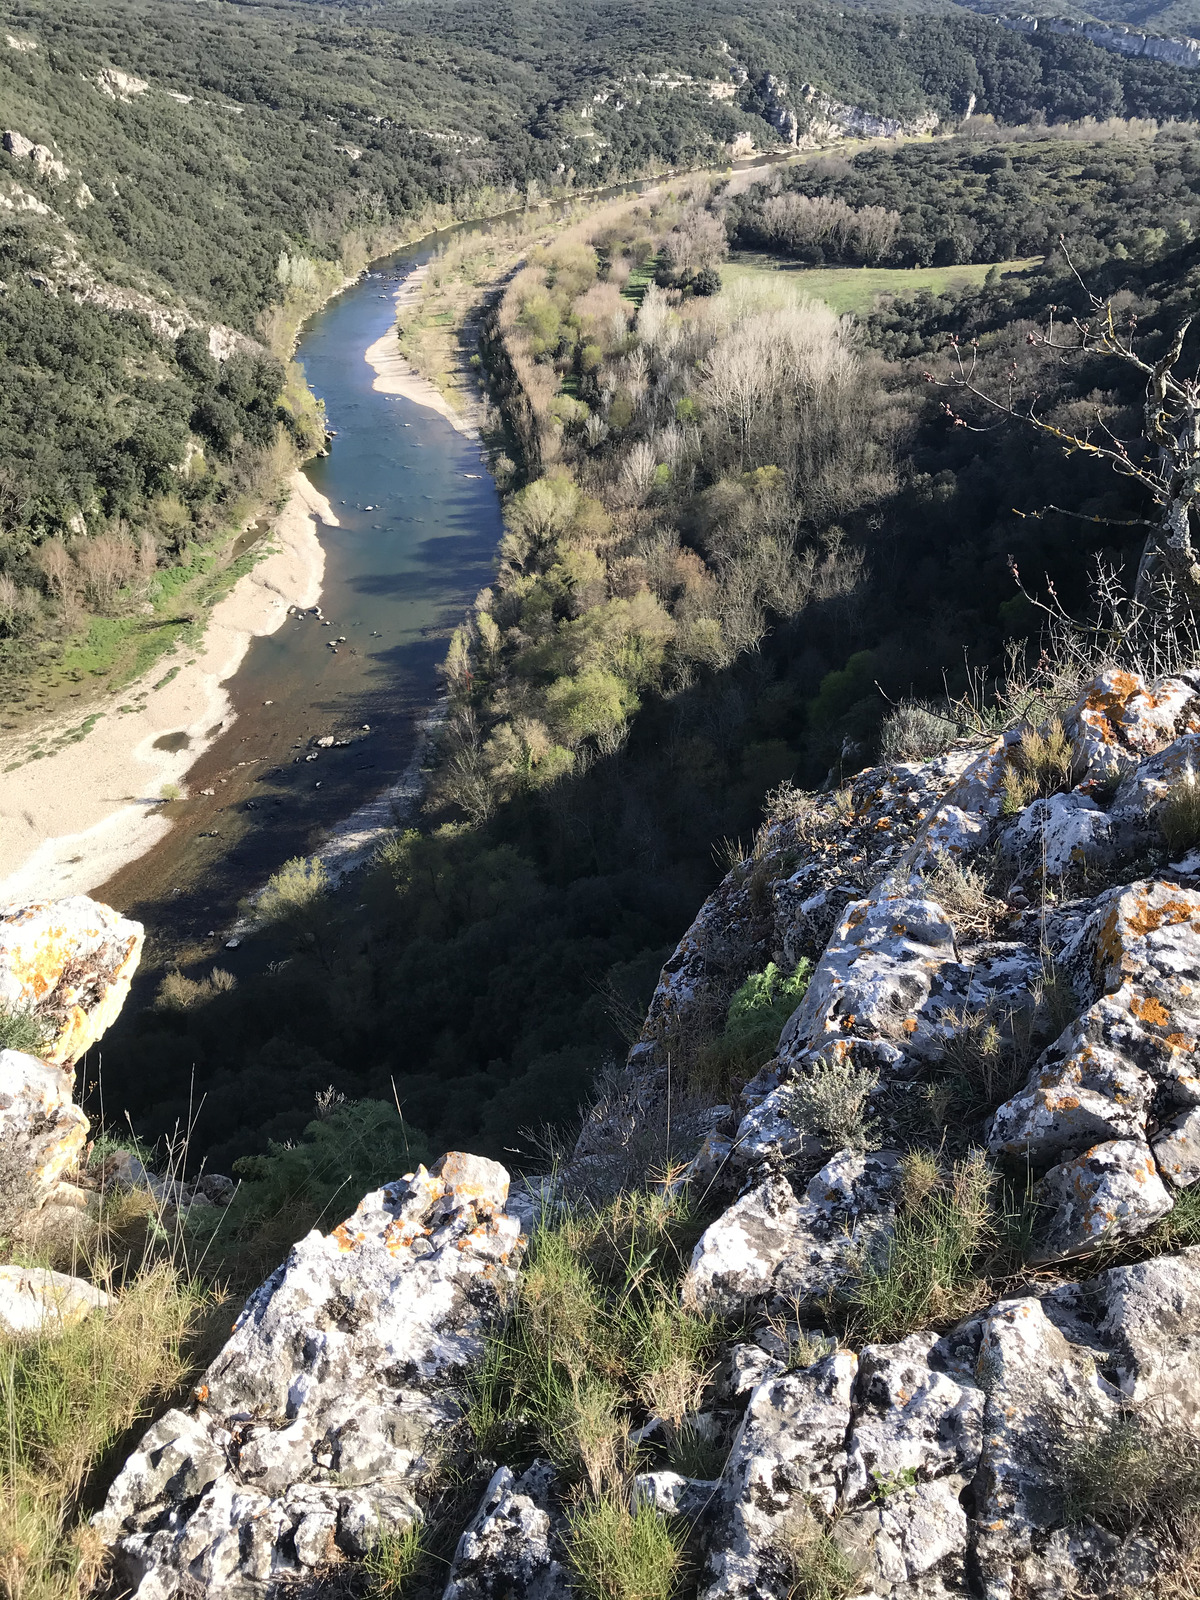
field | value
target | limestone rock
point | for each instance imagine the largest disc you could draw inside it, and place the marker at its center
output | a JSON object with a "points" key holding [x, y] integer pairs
{"points": [[315, 1422], [118, 85], [1111, 1192], [41, 1131], [70, 962], [1148, 1316], [790, 1453], [34, 1299], [1065, 831], [878, 967], [512, 1546], [1177, 1149], [771, 1243]]}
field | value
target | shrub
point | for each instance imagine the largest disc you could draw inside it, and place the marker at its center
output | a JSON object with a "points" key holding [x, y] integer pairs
{"points": [[179, 993], [926, 1273], [621, 1554], [169, 792], [963, 892], [1179, 815], [297, 886], [23, 1029], [917, 730], [757, 1015], [831, 1103], [356, 1146]]}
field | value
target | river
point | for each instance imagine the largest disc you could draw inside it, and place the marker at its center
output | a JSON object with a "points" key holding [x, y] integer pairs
{"points": [[418, 524]]}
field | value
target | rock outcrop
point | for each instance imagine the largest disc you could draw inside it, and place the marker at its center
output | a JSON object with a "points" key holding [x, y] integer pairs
{"points": [[308, 1435], [944, 1463], [66, 967], [1109, 36]]}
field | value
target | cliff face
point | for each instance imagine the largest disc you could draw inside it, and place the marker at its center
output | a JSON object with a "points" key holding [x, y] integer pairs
{"points": [[1125, 41], [937, 1461]]}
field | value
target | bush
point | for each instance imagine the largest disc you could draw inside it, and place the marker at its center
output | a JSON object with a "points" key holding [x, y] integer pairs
{"points": [[1127, 1472], [296, 887], [622, 1554], [831, 1101], [1179, 815], [917, 730], [356, 1146], [757, 1016]]}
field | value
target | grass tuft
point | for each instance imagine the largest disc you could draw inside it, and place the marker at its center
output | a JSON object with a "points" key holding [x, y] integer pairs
{"points": [[1179, 815], [1042, 763], [22, 1029], [392, 1563], [814, 1567], [928, 1273], [618, 1553]]}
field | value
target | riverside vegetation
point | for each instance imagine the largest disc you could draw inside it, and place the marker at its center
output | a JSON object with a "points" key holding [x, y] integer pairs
{"points": [[711, 561]]}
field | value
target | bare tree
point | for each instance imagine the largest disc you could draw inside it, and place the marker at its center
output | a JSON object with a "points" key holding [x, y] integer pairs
{"points": [[1165, 462]]}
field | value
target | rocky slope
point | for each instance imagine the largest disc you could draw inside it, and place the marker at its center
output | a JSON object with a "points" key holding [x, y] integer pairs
{"points": [[941, 1461]]}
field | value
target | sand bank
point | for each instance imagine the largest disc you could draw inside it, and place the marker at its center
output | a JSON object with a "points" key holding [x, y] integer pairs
{"points": [[69, 820], [393, 375]]}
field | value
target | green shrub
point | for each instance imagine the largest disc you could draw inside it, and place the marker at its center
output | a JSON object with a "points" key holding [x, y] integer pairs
{"points": [[24, 1030], [757, 1015], [621, 1554], [297, 886], [354, 1148], [1127, 1472]]}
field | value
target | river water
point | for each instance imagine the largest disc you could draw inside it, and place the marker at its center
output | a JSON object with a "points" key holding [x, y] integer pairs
{"points": [[418, 525]]}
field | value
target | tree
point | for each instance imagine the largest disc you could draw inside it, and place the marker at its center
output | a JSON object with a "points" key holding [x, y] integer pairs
{"points": [[1166, 461]]}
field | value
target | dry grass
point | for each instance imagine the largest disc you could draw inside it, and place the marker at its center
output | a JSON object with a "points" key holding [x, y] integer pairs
{"points": [[66, 1398], [964, 892], [1042, 763], [813, 1567], [1179, 815]]}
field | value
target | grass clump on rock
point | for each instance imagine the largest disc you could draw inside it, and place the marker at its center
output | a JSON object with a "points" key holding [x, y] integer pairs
{"points": [[1179, 815], [22, 1029], [620, 1552]]}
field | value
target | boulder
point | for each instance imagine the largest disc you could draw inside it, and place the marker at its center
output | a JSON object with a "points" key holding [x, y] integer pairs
{"points": [[42, 1132], [70, 963], [1065, 831], [789, 1455], [36, 1300], [1111, 1192], [513, 1544], [311, 1430], [1120, 720], [770, 1243]]}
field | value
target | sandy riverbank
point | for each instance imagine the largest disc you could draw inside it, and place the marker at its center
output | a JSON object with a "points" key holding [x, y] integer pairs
{"points": [[393, 375], [68, 821]]}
